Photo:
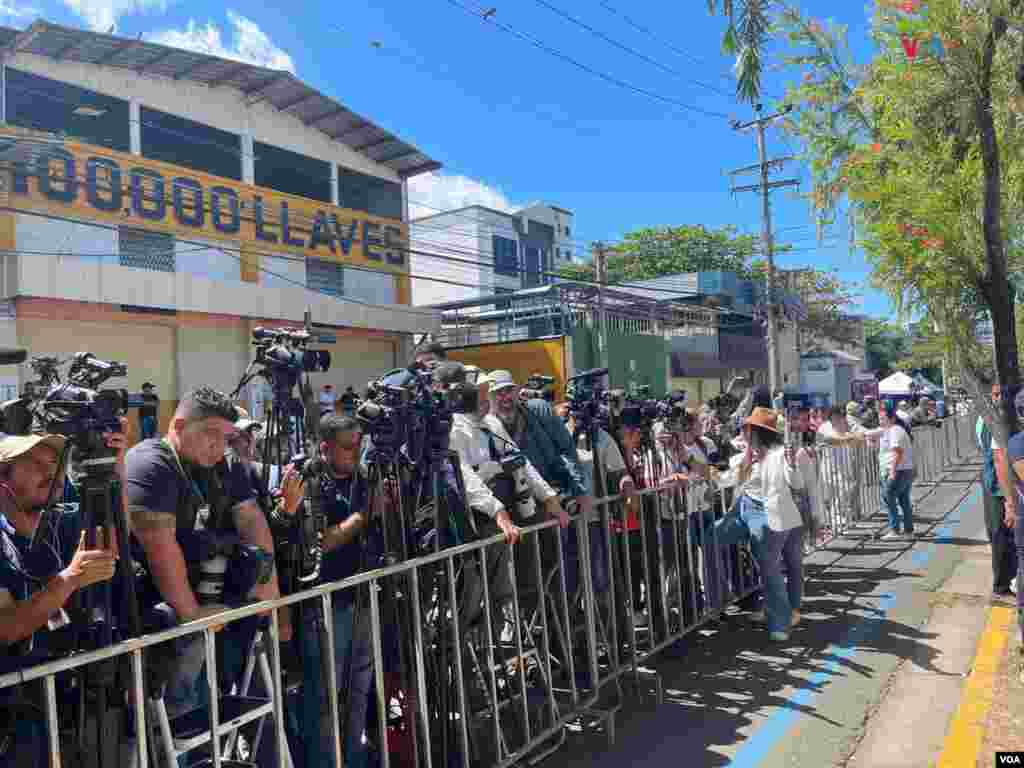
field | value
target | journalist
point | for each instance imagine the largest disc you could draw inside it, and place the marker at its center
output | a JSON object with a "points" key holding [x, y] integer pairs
{"points": [[149, 411], [36, 583], [541, 436], [180, 493], [340, 487]]}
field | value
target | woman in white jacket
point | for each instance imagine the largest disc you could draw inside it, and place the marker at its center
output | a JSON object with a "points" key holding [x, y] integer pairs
{"points": [[767, 513]]}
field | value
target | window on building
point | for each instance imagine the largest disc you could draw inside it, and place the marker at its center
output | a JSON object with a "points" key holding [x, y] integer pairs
{"points": [[179, 141], [567, 234], [360, 192], [325, 277], [49, 105], [143, 249], [292, 173], [532, 266], [506, 256]]}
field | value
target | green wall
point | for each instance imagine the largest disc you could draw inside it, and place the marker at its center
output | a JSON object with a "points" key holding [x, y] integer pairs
{"points": [[648, 354]]}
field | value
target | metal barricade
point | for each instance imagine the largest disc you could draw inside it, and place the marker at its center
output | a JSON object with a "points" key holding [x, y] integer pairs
{"points": [[481, 654]]}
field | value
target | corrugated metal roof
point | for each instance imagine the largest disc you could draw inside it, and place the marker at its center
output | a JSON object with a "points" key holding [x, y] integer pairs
{"points": [[280, 89]]}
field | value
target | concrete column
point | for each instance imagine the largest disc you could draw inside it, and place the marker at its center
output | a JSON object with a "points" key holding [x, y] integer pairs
{"points": [[335, 192], [248, 154], [135, 127]]}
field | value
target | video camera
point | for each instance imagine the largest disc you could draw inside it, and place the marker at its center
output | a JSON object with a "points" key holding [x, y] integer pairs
{"points": [[588, 400], [537, 387]]}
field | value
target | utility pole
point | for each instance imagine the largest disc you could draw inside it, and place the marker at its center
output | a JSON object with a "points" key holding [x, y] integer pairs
{"points": [[601, 273], [764, 167]]}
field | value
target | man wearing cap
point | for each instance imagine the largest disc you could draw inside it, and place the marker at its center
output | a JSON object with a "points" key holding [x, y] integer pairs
{"points": [[853, 420], [37, 583], [148, 411], [922, 414], [541, 436]]}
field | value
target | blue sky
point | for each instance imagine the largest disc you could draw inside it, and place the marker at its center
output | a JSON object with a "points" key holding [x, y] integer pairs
{"points": [[511, 123]]}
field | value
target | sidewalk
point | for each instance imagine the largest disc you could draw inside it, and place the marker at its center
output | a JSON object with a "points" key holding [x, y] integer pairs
{"points": [[1003, 728], [872, 678]]}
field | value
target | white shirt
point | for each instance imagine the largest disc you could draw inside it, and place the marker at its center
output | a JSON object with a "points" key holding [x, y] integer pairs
{"points": [[473, 445], [892, 438], [770, 482]]}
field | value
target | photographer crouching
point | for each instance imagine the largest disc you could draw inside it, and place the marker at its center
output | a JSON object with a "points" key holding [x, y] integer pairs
{"points": [[203, 539], [341, 489], [35, 583]]}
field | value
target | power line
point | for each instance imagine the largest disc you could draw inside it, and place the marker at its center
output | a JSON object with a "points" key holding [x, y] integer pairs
{"points": [[623, 47], [654, 36], [488, 19]]}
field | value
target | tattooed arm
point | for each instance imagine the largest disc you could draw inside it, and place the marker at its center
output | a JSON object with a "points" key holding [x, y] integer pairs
{"points": [[157, 535]]}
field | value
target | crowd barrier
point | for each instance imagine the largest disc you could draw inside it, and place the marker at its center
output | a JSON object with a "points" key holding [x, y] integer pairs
{"points": [[470, 667]]}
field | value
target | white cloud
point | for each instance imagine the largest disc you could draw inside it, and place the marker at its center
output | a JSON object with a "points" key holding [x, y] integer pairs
{"points": [[430, 193], [102, 15], [13, 10], [249, 43]]}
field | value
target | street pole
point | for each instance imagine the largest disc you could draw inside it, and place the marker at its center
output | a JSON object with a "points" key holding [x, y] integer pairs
{"points": [[601, 272], [774, 372], [764, 167]]}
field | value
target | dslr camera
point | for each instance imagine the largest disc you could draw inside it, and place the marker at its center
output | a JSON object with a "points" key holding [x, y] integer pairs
{"points": [[509, 483], [538, 387]]}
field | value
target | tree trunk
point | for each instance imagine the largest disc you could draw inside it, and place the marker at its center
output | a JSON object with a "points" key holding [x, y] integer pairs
{"points": [[996, 285]]}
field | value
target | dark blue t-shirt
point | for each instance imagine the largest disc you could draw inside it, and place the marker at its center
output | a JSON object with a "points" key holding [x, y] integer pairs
{"points": [[341, 497], [25, 570]]}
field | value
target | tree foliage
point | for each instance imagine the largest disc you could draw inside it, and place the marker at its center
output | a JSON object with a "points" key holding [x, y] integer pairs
{"points": [[887, 344], [658, 251], [923, 146]]}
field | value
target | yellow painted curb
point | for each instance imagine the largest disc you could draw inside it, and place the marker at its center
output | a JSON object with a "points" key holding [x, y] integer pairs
{"points": [[964, 738]]}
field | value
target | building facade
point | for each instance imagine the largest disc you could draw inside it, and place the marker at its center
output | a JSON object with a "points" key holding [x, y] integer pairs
{"points": [[157, 204], [480, 251]]}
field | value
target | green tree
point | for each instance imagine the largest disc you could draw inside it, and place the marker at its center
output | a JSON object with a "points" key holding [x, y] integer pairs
{"points": [[658, 251], [923, 145], [887, 343]]}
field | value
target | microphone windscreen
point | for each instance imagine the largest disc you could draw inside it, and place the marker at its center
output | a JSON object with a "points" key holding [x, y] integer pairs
{"points": [[11, 356]]}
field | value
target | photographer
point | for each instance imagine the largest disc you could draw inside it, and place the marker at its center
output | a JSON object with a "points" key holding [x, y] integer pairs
{"points": [[481, 441], [343, 495], [35, 585], [174, 490], [542, 437]]}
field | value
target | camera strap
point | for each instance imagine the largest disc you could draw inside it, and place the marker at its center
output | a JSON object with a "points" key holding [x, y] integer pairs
{"points": [[206, 516]]}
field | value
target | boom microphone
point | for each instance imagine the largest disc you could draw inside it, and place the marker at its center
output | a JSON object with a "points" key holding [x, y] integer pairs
{"points": [[12, 356]]}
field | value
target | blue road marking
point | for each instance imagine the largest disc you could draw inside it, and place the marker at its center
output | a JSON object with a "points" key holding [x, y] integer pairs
{"points": [[768, 735]]}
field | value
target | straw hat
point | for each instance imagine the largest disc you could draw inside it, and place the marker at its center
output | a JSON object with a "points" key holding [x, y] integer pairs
{"points": [[765, 418]]}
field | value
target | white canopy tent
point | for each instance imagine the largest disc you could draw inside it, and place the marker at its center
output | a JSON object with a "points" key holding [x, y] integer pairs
{"points": [[897, 384]]}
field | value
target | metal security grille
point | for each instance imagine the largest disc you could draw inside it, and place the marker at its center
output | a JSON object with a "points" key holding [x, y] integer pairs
{"points": [[325, 277], [142, 249]]}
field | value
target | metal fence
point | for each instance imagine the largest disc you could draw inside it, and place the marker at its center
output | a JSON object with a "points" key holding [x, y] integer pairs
{"points": [[482, 654]]}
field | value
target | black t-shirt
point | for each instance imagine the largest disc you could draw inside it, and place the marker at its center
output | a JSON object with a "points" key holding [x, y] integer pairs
{"points": [[341, 497], [155, 483], [151, 404]]}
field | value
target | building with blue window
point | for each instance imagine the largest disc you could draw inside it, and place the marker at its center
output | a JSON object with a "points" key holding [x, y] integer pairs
{"points": [[157, 204], [480, 251]]}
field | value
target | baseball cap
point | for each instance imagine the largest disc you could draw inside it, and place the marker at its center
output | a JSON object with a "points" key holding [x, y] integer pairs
{"points": [[500, 380], [13, 446]]}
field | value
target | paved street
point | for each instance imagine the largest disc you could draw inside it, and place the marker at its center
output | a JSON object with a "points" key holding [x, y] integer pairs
{"points": [[873, 677]]}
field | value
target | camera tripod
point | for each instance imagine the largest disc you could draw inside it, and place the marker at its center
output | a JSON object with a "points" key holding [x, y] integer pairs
{"points": [[99, 620]]}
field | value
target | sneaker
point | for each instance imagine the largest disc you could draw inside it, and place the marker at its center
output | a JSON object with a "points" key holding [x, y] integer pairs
{"points": [[779, 637], [796, 619], [891, 536]]}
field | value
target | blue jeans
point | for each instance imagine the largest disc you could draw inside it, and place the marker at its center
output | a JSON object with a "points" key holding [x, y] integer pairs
{"points": [[896, 496], [147, 426], [598, 558], [353, 664], [782, 594], [706, 534]]}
